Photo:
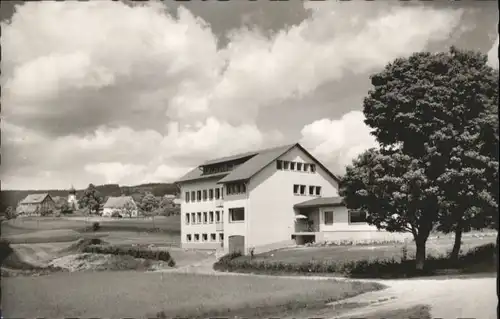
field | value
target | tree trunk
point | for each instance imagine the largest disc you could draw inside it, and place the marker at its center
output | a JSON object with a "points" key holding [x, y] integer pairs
{"points": [[420, 254], [458, 242]]}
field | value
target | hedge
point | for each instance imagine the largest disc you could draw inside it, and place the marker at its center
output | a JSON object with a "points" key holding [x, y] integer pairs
{"points": [[136, 252], [484, 255]]}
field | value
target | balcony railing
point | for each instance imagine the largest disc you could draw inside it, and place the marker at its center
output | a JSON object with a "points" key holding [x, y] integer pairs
{"points": [[219, 226], [306, 228]]}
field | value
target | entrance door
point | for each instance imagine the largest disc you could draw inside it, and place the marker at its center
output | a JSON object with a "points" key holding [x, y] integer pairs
{"points": [[236, 244]]}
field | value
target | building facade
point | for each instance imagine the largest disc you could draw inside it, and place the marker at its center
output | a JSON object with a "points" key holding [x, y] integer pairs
{"points": [[123, 206], [266, 200], [36, 205]]}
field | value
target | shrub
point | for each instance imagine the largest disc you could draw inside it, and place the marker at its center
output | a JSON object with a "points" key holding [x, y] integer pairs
{"points": [[5, 250], [96, 226], [134, 251], [377, 268]]}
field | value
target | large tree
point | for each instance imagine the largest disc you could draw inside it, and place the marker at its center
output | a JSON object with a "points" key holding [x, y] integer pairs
{"points": [[91, 199], [434, 107], [392, 190]]}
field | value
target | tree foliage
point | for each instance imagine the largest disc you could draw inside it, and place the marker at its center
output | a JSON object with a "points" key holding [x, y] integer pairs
{"points": [[149, 203], [392, 189], [435, 117], [91, 199]]}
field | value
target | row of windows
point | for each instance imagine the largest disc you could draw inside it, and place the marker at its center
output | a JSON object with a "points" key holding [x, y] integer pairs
{"points": [[235, 215], [302, 189], [295, 166], [206, 194], [354, 217], [204, 217], [204, 237], [236, 188]]}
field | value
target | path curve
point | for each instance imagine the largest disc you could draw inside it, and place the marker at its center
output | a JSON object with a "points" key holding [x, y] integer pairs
{"points": [[449, 298]]}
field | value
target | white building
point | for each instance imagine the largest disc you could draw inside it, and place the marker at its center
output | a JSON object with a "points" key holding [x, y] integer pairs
{"points": [[265, 200], [123, 206]]}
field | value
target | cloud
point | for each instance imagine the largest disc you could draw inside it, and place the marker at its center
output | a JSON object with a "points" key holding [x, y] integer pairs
{"points": [[104, 91], [493, 54], [338, 142]]}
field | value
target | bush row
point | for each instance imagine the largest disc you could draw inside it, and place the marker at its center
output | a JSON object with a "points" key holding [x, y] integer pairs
{"points": [[363, 268], [136, 252]]}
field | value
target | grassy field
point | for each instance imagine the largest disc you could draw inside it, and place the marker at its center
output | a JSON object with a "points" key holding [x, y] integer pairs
{"points": [[135, 294], [435, 247], [23, 225]]}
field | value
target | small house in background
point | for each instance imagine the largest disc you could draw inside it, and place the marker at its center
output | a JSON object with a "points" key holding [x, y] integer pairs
{"points": [[123, 206], [36, 205], [172, 200]]}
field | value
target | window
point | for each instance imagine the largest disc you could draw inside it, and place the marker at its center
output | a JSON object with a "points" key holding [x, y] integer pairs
{"points": [[193, 219], [217, 193], [236, 214], [286, 164], [313, 168], [328, 218], [237, 188], [302, 189], [186, 197], [222, 192], [292, 166], [188, 237], [187, 218], [211, 194], [205, 218], [204, 237], [196, 237], [211, 217], [198, 195], [199, 218], [204, 194], [318, 190], [279, 164], [299, 167], [221, 236], [296, 189], [217, 216], [193, 196], [213, 237], [311, 190], [356, 216], [306, 167]]}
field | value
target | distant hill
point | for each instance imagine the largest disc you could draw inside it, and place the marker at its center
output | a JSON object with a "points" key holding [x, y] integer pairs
{"points": [[12, 197]]}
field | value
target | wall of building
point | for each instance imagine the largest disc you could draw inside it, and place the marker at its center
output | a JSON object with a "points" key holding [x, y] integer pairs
{"points": [[342, 230], [201, 206], [236, 227], [272, 199]]}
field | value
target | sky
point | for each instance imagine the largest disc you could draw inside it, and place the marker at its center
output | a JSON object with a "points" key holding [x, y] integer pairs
{"points": [[116, 92]]}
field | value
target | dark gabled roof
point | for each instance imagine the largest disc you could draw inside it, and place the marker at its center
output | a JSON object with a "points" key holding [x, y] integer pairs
{"points": [[320, 201], [230, 158], [34, 198], [257, 162]]}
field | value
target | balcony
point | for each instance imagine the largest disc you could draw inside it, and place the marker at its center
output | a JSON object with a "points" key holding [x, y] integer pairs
{"points": [[219, 226], [305, 227]]}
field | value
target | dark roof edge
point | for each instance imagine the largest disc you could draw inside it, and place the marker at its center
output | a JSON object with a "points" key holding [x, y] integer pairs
{"points": [[318, 205], [200, 178]]}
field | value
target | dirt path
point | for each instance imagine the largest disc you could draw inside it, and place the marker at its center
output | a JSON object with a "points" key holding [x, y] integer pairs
{"points": [[449, 298]]}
